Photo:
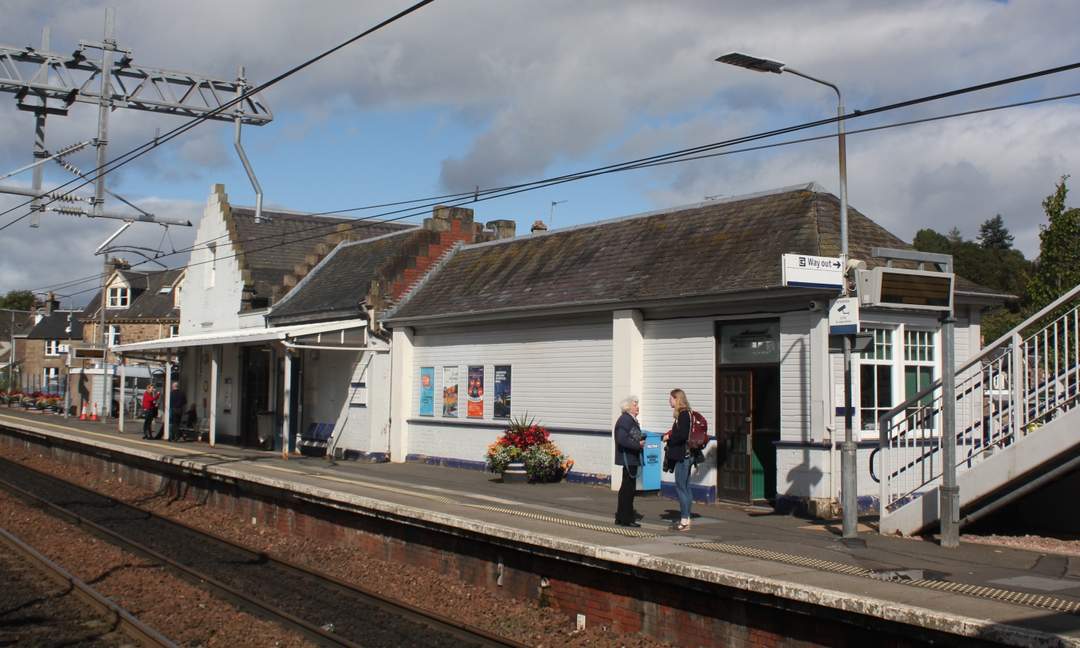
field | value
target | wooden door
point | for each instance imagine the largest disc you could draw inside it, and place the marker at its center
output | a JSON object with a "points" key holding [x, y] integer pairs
{"points": [[735, 424]]}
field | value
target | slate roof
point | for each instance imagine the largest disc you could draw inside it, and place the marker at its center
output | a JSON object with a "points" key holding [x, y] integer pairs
{"points": [[272, 248], [54, 325], [700, 250], [338, 286], [23, 323], [147, 302]]}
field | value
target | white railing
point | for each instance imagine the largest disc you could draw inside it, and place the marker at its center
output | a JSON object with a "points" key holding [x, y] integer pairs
{"points": [[1027, 377]]}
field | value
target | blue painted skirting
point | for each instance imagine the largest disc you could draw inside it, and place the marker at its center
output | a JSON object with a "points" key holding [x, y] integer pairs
{"points": [[371, 457], [699, 492]]}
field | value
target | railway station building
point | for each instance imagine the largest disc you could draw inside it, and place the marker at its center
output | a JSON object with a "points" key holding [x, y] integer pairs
{"points": [[560, 326]]}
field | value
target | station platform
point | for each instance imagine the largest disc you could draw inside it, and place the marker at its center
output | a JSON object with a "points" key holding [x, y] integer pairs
{"points": [[976, 592]]}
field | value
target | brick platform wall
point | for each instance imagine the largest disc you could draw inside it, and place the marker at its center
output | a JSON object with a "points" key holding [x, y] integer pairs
{"points": [[684, 612]]}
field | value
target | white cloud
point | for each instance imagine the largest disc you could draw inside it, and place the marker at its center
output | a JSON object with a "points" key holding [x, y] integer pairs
{"points": [[544, 83]]}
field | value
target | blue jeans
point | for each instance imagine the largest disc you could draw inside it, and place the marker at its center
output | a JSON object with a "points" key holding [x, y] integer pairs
{"points": [[682, 487]]}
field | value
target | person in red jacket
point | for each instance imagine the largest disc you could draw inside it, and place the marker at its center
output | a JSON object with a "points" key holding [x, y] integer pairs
{"points": [[150, 410]]}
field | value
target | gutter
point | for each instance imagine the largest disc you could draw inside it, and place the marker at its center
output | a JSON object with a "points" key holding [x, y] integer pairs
{"points": [[605, 305]]}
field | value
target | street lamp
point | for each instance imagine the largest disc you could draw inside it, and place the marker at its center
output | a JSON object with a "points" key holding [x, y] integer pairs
{"points": [[847, 450]]}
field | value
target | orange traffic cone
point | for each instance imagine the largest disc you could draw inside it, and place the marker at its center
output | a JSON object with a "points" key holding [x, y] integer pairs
{"points": [[82, 414], [93, 413]]}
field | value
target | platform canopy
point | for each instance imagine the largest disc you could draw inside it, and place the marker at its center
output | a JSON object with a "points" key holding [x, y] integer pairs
{"points": [[241, 336]]}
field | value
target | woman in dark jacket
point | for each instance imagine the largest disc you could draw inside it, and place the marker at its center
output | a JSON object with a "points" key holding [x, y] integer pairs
{"points": [[628, 444], [678, 455]]}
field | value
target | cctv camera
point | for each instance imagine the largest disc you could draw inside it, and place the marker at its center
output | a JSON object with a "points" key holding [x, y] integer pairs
{"points": [[815, 305]]}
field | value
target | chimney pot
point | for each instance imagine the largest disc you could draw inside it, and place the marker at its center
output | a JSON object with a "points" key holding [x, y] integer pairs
{"points": [[538, 226]]}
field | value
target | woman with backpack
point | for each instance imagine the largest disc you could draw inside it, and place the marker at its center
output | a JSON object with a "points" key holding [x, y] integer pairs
{"points": [[677, 454]]}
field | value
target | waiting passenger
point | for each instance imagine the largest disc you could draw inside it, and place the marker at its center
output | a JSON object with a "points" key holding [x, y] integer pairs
{"points": [[628, 444], [149, 407], [677, 455]]}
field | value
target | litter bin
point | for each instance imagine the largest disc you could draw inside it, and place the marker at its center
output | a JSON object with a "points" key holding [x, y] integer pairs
{"points": [[652, 454]]}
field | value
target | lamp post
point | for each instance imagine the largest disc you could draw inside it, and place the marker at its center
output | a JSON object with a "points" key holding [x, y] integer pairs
{"points": [[848, 448]]}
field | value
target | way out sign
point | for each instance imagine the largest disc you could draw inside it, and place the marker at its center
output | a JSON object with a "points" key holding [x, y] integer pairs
{"points": [[805, 271]]}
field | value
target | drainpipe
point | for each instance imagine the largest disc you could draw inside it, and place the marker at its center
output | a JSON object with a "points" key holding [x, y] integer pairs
{"points": [[241, 85]]}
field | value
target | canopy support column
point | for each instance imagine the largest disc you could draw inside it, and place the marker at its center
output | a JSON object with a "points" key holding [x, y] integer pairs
{"points": [[123, 393], [168, 398]]}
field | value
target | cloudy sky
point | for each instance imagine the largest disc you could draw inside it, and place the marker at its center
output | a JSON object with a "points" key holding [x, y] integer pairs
{"points": [[469, 94]]}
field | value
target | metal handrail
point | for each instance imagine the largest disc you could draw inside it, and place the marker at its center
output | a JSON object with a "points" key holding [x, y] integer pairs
{"points": [[906, 467], [985, 352]]}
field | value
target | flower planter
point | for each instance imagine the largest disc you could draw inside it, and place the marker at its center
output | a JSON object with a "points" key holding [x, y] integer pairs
{"points": [[515, 473]]}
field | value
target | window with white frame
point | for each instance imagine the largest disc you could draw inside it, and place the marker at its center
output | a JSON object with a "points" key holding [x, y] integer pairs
{"points": [[50, 380], [52, 347], [119, 296], [876, 378], [174, 330], [178, 287], [919, 366], [902, 361], [113, 337]]}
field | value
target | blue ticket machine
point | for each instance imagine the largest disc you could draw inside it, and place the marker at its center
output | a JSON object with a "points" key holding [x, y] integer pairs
{"points": [[648, 478]]}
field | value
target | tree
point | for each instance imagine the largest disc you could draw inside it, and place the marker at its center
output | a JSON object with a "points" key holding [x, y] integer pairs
{"points": [[1058, 267], [927, 240], [18, 300], [993, 235], [999, 268]]}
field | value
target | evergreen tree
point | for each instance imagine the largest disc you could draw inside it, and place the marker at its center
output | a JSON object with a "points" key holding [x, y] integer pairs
{"points": [[993, 235], [1058, 267]]}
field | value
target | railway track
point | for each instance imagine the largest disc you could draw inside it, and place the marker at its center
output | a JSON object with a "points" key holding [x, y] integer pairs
{"points": [[36, 594], [324, 609]]}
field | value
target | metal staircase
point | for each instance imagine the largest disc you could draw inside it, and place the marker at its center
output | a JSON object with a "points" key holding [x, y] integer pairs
{"points": [[1017, 423]]}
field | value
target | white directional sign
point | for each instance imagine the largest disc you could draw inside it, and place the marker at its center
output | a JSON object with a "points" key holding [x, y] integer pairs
{"points": [[844, 316], [807, 271]]}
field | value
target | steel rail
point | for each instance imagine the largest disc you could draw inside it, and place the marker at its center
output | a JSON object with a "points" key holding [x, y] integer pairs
{"points": [[122, 620], [441, 623], [231, 594]]}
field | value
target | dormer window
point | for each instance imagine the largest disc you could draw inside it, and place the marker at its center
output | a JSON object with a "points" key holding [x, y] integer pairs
{"points": [[119, 297]]}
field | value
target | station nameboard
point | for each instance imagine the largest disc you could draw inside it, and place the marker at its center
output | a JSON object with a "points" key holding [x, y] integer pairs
{"points": [[805, 271]]}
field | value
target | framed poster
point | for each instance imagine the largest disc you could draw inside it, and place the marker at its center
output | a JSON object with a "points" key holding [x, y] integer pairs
{"points": [[475, 392], [501, 405], [449, 391], [427, 391]]}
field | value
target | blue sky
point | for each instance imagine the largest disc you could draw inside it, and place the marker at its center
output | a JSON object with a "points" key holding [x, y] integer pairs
{"points": [[472, 93]]}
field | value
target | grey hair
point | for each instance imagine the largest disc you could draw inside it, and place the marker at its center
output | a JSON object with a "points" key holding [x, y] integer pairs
{"points": [[627, 402]]}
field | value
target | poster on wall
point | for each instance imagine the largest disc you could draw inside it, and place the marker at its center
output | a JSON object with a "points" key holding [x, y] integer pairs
{"points": [[475, 393], [427, 391], [502, 392], [449, 391]]}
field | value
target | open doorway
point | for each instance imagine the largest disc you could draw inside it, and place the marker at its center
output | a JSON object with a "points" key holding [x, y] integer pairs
{"points": [[748, 409], [256, 421]]}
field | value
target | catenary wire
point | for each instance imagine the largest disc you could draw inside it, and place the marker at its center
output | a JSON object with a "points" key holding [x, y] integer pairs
{"points": [[142, 149], [673, 154], [365, 221]]}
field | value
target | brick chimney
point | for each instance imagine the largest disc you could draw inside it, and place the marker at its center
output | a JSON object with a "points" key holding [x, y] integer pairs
{"points": [[51, 304], [538, 226]]}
